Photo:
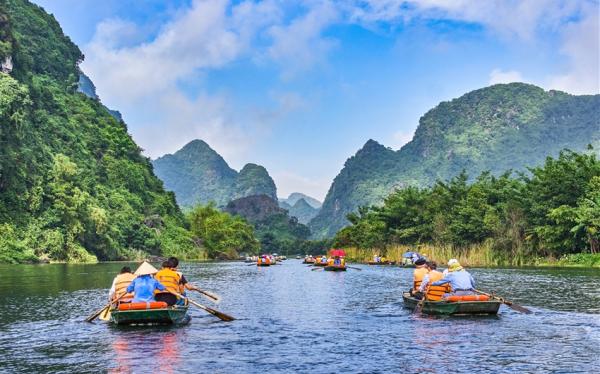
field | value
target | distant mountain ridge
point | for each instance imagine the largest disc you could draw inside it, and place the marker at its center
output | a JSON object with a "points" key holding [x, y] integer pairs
{"points": [[497, 128], [295, 196], [198, 174]]}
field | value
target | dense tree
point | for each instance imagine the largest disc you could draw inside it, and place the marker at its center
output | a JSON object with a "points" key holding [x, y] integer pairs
{"points": [[552, 211]]}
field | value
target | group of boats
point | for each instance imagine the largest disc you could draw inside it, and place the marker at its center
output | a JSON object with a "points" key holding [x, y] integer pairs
{"points": [[161, 313]]}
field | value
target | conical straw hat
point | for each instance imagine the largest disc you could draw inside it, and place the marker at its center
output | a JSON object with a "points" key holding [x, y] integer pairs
{"points": [[145, 268]]}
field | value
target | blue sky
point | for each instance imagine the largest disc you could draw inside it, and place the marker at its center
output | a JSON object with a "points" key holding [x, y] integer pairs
{"points": [[299, 86]]}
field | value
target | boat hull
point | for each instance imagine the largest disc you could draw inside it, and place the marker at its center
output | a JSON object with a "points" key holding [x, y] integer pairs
{"points": [[460, 308], [263, 264], [163, 316], [335, 268], [320, 264]]}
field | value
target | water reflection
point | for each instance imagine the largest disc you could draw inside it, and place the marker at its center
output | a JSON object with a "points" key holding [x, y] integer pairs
{"points": [[294, 319]]}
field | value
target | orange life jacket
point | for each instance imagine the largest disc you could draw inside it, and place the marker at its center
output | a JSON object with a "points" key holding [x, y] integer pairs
{"points": [[122, 281], [435, 293], [418, 275], [168, 278]]}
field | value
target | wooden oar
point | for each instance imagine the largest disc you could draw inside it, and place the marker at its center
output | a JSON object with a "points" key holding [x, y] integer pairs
{"points": [[510, 304], [216, 313], [97, 313], [214, 297], [319, 268], [352, 267], [419, 307]]}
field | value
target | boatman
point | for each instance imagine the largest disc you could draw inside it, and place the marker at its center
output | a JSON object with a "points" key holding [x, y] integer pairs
{"points": [[418, 275], [144, 285], [120, 283], [460, 281], [431, 292], [170, 279], [183, 283]]}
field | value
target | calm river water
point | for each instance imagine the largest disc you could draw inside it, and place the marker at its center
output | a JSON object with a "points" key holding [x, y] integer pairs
{"points": [[294, 319]]}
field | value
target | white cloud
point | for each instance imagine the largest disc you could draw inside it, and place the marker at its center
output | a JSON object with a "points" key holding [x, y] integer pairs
{"points": [[198, 39], [581, 46], [502, 76], [300, 45], [506, 17]]}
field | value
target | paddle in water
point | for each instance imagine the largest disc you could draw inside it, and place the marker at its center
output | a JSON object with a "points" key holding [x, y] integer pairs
{"points": [[352, 267], [216, 313], [97, 313], [419, 307], [320, 268], [214, 297], [509, 304]]}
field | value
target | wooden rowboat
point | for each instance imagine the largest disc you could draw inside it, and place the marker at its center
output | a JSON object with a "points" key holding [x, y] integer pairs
{"points": [[165, 316], [334, 268], [458, 308], [382, 263], [263, 264], [308, 261]]}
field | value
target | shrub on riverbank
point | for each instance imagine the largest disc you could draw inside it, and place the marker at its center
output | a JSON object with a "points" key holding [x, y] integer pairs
{"points": [[552, 212]]}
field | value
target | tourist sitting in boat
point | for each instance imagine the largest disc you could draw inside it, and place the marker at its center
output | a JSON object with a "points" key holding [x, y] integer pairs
{"points": [[431, 292], [169, 278], [144, 285], [120, 283], [183, 283], [324, 260], [338, 261], [418, 275], [450, 262], [460, 281], [376, 258]]}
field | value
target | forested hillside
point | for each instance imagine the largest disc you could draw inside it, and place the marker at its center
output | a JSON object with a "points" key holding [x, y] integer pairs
{"points": [[199, 175], [502, 127], [73, 184], [550, 213], [276, 230]]}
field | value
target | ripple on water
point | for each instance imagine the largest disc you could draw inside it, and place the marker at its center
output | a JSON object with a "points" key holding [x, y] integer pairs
{"points": [[293, 319]]}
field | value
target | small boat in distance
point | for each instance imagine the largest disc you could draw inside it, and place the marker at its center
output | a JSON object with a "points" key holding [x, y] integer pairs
{"points": [[382, 262], [454, 308]]}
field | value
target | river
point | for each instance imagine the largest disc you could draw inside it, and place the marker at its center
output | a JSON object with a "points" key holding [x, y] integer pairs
{"points": [[293, 319]]}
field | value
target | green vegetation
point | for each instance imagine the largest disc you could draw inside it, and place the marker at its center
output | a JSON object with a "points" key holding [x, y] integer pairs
{"points": [[276, 230], [74, 186], [199, 175], [224, 236], [552, 212], [498, 128]]}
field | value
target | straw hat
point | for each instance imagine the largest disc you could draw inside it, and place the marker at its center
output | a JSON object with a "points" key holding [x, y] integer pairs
{"points": [[455, 266], [145, 268]]}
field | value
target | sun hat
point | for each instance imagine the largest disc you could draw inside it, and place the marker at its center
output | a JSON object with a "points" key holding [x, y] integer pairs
{"points": [[145, 269], [455, 266]]}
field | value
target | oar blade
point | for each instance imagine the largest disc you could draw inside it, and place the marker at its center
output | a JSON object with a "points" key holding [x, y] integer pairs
{"points": [[518, 308], [96, 314], [220, 315]]}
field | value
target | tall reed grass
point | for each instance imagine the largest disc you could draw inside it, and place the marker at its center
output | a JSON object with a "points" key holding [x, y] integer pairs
{"points": [[482, 254]]}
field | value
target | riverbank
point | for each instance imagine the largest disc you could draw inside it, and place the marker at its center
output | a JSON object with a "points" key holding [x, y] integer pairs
{"points": [[474, 256]]}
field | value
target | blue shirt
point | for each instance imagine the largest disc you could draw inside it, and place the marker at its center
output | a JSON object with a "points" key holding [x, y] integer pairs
{"points": [[143, 288], [459, 280]]}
